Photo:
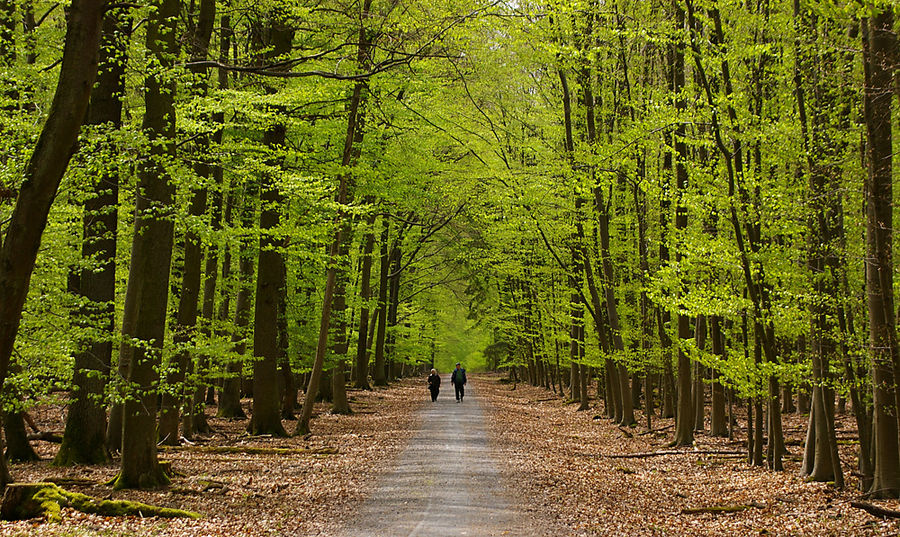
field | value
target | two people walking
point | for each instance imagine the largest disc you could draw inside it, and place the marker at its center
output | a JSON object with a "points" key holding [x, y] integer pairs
{"points": [[457, 378]]}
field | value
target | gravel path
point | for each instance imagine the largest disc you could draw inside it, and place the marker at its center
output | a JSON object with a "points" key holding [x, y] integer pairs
{"points": [[446, 483]]}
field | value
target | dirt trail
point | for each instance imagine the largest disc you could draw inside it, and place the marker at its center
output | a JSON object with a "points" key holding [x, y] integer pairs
{"points": [[446, 483]]}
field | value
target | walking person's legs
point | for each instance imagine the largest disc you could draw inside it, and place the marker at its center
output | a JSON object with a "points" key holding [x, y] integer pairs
{"points": [[459, 390]]}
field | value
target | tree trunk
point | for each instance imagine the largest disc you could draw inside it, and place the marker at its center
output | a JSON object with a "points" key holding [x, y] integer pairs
{"points": [[717, 421], [266, 414], [379, 376], [352, 136], [879, 49], [18, 449], [363, 341], [151, 252], [84, 440], [393, 307], [574, 373], [339, 320], [289, 389], [699, 392], [194, 419], [339, 404], [221, 209], [684, 417], [276, 40]]}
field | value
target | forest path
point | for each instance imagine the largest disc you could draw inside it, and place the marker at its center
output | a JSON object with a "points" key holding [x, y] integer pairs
{"points": [[446, 483]]}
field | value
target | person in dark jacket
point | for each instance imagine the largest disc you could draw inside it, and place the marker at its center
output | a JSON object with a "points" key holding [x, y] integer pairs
{"points": [[434, 384], [458, 379]]}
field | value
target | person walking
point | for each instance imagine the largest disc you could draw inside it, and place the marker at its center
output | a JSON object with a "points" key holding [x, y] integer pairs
{"points": [[434, 384], [458, 379]]}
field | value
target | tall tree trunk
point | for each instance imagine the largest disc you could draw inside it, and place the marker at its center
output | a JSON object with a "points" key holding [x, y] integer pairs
{"points": [[194, 419], [84, 440], [717, 419], [277, 41], [266, 414], [393, 307], [340, 320], [219, 210], [623, 398], [289, 390], [230, 396], [363, 340], [146, 298], [699, 389], [379, 375], [684, 417], [335, 250], [879, 49]]}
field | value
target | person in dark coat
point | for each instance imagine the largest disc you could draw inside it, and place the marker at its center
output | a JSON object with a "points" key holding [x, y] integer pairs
{"points": [[458, 379], [434, 384]]}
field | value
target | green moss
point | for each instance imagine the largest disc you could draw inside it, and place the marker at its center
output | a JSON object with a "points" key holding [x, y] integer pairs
{"points": [[146, 480], [46, 499], [68, 455]]}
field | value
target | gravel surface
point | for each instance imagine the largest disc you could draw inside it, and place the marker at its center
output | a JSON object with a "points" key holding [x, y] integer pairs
{"points": [[446, 483]]}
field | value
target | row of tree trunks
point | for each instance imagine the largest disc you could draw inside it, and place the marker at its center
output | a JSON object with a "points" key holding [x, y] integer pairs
{"points": [[177, 393], [84, 440], [44, 171]]}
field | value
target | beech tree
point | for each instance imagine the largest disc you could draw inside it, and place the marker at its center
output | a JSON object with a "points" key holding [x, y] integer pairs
{"points": [[43, 173]]}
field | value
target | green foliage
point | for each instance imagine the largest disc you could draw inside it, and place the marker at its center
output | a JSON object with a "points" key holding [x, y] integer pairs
{"points": [[461, 153]]}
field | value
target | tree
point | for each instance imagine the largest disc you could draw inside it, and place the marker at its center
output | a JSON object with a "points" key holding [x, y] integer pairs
{"points": [[84, 441], [44, 171], [879, 51], [146, 299]]}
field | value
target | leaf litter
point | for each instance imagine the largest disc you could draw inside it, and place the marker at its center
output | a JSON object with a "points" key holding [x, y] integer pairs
{"points": [[241, 485], [555, 456], [556, 460]]}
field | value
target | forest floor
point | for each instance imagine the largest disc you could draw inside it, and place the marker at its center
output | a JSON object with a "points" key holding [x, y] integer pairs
{"points": [[559, 459], [245, 493], [535, 464]]}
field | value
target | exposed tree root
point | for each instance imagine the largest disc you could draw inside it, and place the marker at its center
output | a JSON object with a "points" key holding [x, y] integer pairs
{"points": [[716, 509], [46, 436], [32, 500], [253, 450], [76, 481], [673, 452], [873, 509]]}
